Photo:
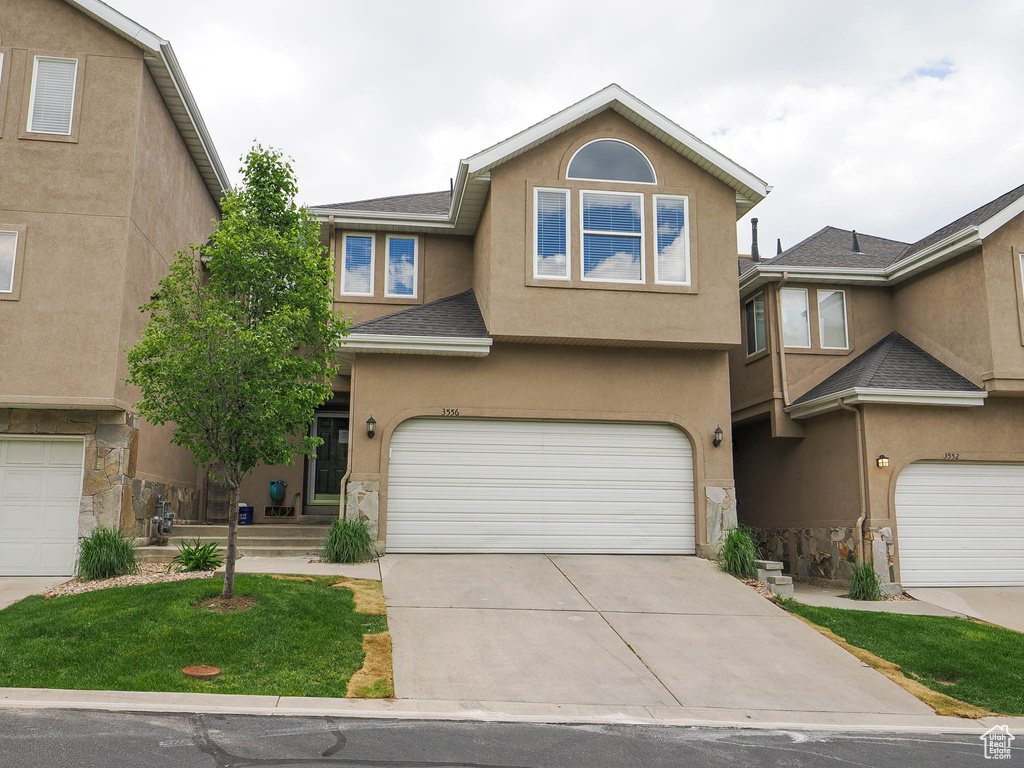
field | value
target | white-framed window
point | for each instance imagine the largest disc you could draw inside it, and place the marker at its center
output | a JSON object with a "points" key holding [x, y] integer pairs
{"points": [[672, 239], [1021, 256], [757, 336], [612, 227], [832, 320], [8, 255], [402, 266], [551, 233], [611, 160], [52, 102], [796, 323], [357, 251]]}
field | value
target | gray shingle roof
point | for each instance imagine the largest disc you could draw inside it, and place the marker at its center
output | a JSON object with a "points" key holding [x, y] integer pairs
{"points": [[745, 263], [893, 363], [833, 247], [426, 202], [975, 217], [453, 316]]}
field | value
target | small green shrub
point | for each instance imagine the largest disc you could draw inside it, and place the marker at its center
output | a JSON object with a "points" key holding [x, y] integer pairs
{"points": [[196, 556], [864, 583], [105, 554], [347, 541], [738, 553]]}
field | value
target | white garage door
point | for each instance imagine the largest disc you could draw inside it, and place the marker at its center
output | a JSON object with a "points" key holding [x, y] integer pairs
{"points": [[961, 524], [40, 491], [491, 485]]}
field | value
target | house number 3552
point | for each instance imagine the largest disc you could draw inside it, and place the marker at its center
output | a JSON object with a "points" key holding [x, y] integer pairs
{"points": [[449, 411], [952, 456]]}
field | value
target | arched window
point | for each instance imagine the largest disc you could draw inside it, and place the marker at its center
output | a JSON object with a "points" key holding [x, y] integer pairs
{"points": [[611, 160]]}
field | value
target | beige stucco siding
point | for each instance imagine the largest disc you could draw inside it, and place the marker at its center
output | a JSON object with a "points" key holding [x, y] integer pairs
{"points": [[1005, 291]]}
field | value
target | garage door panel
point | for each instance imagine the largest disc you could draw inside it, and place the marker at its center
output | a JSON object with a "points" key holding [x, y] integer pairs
{"points": [[477, 485], [25, 452], [19, 519], [23, 483], [961, 524]]}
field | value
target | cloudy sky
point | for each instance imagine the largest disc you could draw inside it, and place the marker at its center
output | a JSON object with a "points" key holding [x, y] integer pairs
{"points": [[890, 118]]}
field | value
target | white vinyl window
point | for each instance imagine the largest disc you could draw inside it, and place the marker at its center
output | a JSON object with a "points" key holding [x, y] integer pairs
{"points": [[613, 236], [611, 160], [672, 235], [551, 234], [402, 260], [357, 265], [832, 320], [757, 340], [52, 103], [8, 253], [796, 324]]}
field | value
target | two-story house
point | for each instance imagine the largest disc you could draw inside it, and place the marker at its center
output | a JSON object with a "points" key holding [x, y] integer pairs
{"points": [[540, 356], [106, 169], [877, 398]]}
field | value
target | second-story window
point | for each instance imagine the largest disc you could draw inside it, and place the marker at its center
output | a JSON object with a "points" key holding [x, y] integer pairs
{"points": [[8, 253], [832, 320], [357, 265], [52, 100], [613, 236], [672, 261], [551, 229], [611, 160], [757, 339], [402, 264], [796, 324]]}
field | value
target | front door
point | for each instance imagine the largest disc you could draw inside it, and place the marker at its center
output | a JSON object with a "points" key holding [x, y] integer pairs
{"points": [[328, 466]]}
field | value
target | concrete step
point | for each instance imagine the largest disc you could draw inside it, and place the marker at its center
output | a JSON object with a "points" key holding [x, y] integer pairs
{"points": [[166, 554], [254, 541], [279, 530]]}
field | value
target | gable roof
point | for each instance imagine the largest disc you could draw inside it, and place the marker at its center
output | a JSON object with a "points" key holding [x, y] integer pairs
{"points": [[472, 181], [893, 370], [163, 66], [433, 203], [833, 247]]}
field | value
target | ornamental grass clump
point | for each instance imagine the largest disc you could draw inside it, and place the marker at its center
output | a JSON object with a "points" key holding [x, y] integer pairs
{"points": [[864, 584], [105, 554], [195, 555], [739, 553], [347, 541]]}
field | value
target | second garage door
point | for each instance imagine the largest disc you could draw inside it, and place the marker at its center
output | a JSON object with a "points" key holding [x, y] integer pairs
{"points": [[490, 485], [960, 524]]}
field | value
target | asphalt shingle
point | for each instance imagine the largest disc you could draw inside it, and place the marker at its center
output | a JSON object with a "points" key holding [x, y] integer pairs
{"points": [[423, 203], [453, 316], [892, 363], [833, 247]]}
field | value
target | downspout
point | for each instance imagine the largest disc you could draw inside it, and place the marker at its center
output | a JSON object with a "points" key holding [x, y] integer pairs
{"points": [[862, 481], [342, 512]]}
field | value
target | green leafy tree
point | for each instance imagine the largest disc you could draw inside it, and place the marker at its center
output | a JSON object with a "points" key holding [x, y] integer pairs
{"points": [[240, 346]]}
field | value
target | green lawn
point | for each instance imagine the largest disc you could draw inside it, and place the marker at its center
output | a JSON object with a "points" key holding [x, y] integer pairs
{"points": [[303, 638], [973, 662]]}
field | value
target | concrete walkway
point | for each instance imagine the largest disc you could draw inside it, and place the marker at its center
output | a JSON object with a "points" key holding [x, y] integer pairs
{"points": [[301, 566], [15, 588], [996, 605], [825, 597], [658, 632]]}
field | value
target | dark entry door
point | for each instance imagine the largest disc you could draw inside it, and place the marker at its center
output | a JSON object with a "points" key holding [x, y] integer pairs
{"points": [[331, 457]]}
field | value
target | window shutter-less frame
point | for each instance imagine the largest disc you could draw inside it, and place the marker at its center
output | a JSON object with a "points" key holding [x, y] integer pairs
{"points": [[53, 95], [551, 251]]}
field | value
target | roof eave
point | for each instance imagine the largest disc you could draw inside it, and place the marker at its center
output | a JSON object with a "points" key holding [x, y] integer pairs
{"points": [[877, 395], [761, 274], [446, 346]]}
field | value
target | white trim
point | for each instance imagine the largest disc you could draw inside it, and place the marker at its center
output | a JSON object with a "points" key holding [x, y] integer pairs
{"points": [[1020, 257], [458, 346], [373, 260], [32, 96], [14, 261], [821, 326], [807, 308], [415, 266], [568, 233], [600, 232], [856, 395], [650, 165], [686, 240], [764, 316]]}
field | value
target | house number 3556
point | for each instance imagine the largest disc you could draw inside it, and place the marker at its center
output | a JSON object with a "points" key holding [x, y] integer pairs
{"points": [[449, 411]]}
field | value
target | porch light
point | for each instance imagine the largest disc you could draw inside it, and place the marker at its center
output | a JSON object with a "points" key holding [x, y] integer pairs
{"points": [[882, 461], [371, 427], [719, 436]]}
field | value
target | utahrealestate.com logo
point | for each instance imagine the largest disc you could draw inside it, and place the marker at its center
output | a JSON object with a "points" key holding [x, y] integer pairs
{"points": [[997, 742]]}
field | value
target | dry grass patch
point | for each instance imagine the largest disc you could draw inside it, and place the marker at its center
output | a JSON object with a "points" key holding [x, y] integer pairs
{"points": [[368, 594], [376, 679]]}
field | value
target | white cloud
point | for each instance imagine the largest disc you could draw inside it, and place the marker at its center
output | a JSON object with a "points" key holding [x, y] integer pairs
{"points": [[672, 261], [620, 266], [551, 266], [400, 277]]}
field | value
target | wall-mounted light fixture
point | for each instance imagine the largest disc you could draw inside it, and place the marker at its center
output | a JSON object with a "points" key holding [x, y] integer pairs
{"points": [[882, 461], [371, 427], [719, 437]]}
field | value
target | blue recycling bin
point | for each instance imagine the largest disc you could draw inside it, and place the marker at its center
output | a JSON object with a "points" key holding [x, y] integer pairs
{"points": [[244, 515]]}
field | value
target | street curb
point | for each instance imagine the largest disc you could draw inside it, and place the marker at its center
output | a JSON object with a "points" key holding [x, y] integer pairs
{"points": [[480, 711]]}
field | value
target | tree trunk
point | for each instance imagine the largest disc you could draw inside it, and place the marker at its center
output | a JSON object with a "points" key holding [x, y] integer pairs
{"points": [[229, 563]]}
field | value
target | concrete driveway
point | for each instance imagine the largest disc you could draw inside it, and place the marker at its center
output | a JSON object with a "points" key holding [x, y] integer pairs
{"points": [[15, 588], [652, 631], [996, 605]]}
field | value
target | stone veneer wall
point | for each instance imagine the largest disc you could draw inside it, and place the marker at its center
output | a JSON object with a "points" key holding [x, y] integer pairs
{"points": [[111, 494], [719, 517], [362, 501], [827, 554]]}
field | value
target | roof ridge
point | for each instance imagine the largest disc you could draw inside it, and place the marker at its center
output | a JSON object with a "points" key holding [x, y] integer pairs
{"points": [[385, 197], [802, 242], [887, 344]]}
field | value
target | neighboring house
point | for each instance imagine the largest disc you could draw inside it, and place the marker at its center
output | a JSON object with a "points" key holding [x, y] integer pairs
{"points": [[882, 382], [540, 356], [107, 169]]}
